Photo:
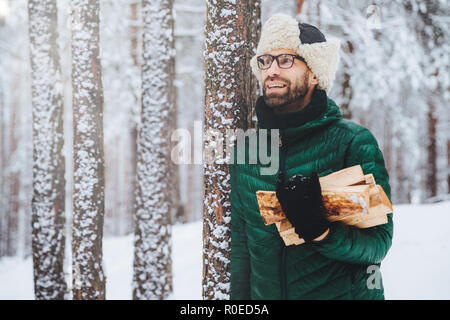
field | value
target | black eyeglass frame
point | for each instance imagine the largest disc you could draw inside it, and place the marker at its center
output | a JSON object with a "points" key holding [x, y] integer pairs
{"points": [[278, 62]]}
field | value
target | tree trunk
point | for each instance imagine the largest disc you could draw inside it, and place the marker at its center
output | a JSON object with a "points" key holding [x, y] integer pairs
{"points": [[13, 173], [431, 167], [448, 164], [300, 6], [347, 89], [88, 208], [152, 257], [232, 29], [177, 208], [2, 172], [48, 204]]}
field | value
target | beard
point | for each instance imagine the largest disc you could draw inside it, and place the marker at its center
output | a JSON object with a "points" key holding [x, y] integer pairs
{"points": [[292, 92]]}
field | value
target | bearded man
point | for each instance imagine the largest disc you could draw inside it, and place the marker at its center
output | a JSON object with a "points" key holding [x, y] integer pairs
{"points": [[296, 66]]}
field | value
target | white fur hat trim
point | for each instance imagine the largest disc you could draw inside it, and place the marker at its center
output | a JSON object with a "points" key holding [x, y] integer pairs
{"points": [[281, 31]]}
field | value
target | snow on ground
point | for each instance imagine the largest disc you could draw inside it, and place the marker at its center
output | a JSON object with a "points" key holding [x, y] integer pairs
{"points": [[416, 267], [418, 264]]}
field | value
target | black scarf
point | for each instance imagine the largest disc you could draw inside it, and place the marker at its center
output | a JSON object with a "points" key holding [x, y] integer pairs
{"points": [[267, 119]]}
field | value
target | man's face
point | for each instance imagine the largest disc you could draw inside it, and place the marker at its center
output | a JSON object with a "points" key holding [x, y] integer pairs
{"points": [[295, 81]]}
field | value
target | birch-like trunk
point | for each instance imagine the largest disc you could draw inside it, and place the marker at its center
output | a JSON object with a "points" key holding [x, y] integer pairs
{"points": [[152, 257], [88, 198], [232, 30], [48, 204]]}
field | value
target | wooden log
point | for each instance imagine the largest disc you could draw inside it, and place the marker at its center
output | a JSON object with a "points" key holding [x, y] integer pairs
{"points": [[339, 202], [291, 238], [269, 207], [287, 232], [342, 201], [344, 177], [372, 222], [384, 198], [367, 180]]}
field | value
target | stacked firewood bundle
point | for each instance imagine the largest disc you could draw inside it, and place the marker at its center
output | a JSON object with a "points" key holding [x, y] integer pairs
{"points": [[348, 195]]}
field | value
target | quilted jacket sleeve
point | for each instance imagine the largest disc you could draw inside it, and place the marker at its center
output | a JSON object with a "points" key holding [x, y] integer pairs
{"points": [[239, 256], [351, 244]]}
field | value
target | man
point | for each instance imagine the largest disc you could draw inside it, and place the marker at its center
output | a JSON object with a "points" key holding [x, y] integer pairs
{"points": [[296, 66]]}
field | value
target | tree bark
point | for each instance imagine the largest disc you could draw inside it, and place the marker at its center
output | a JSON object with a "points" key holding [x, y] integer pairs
{"points": [[431, 168], [88, 208], [3, 211], [300, 6], [232, 29], [152, 256], [2, 169], [48, 203]]}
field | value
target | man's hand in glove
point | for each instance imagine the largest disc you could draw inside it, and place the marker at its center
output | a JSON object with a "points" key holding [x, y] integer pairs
{"points": [[301, 200]]}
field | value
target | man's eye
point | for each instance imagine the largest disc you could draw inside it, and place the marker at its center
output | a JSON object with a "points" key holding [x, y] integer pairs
{"points": [[285, 60], [266, 60]]}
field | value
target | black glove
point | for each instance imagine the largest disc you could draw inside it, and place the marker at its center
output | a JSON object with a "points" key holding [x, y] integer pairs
{"points": [[301, 200]]}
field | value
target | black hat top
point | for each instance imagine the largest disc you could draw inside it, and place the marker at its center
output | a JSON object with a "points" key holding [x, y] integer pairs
{"points": [[310, 34]]}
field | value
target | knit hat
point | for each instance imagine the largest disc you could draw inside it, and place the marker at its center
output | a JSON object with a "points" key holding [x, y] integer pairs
{"points": [[282, 31]]}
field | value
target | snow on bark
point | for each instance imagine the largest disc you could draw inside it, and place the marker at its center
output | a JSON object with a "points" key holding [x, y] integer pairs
{"points": [[232, 29], [152, 257], [88, 208], [48, 168]]}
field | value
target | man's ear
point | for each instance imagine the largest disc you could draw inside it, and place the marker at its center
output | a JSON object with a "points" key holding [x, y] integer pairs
{"points": [[313, 78]]}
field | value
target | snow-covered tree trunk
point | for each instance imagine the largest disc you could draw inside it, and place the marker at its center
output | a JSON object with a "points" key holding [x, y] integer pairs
{"points": [[13, 174], [232, 29], [152, 257], [48, 204], [88, 199], [2, 163]]}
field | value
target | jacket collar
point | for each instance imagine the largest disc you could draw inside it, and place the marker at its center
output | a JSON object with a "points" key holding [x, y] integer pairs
{"points": [[319, 112], [267, 119]]}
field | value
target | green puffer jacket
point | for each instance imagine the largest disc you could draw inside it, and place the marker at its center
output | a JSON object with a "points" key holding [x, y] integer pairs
{"points": [[343, 265]]}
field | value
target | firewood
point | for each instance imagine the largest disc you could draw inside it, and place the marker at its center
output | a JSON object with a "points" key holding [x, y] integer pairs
{"points": [[339, 202], [372, 222], [287, 233], [342, 201], [342, 178], [368, 179], [348, 195]]}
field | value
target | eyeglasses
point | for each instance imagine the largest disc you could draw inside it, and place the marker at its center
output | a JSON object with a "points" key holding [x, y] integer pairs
{"points": [[285, 60]]}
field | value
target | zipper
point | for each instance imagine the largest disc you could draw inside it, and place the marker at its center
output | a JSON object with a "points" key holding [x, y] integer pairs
{"points": [[282, 168]]}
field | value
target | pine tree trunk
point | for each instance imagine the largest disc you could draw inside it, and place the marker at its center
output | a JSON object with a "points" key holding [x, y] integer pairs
{"points": [[152, 257], [132, 157], [48, 204], [448, 164], [232, 29], [177, 208], [299, 6], [13, 175], [2, 170], [88, 198], [431, 168]]}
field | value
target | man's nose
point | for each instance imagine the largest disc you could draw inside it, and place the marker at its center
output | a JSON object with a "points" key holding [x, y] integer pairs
{"points": [[274, 69]]}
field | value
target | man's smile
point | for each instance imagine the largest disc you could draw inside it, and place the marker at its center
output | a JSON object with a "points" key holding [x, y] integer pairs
{"points": [[274, 85]]}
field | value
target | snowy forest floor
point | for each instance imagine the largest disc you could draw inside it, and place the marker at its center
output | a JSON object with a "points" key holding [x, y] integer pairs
{"points": [[416, 267]]}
